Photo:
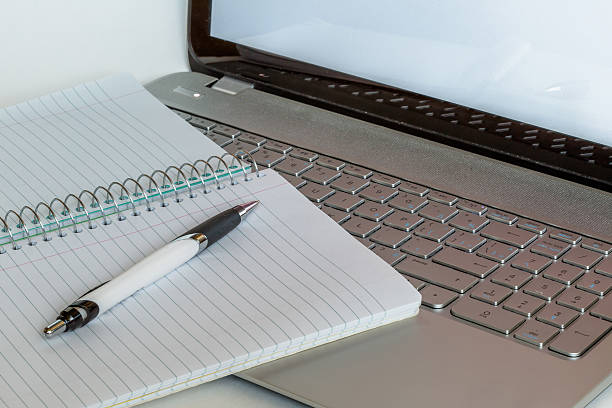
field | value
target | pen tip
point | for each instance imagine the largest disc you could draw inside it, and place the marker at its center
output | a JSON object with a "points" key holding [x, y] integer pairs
{"points": [[54, 328], [243, 209]]}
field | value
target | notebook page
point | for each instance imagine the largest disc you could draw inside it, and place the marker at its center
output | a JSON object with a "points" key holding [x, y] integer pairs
{"points": [[273, 286], [90, 135]]}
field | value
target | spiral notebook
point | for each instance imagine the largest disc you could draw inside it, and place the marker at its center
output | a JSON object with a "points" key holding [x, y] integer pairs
{"points": [[272, 287]]}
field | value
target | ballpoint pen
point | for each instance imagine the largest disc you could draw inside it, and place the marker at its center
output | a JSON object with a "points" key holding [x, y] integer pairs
{"points": [[147, 270]]}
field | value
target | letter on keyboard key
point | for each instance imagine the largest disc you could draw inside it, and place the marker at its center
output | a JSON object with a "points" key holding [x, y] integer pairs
{"points": [[508, 235], [374, 211], [580, 336], [403, 220], [465, 262], [496, 251], [378, 193], [267, 158], [321, 175], [582, 258], [434, 231], [436, 297], [437, 274], [536, 333], [421, 247], [390, 237], [486, 315], [438, 212], [603, 309], [407, 202], [315, 192], [468, 221], [293, 166], [360, 226], [344, 202], [350, 184]]}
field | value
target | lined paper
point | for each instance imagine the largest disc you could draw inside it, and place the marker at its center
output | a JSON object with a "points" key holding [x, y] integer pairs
{"points": [[275, 285], [93, 134]]}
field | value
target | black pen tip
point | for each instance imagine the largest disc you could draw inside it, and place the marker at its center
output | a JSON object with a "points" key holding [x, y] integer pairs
{"points": [[244, 209]]}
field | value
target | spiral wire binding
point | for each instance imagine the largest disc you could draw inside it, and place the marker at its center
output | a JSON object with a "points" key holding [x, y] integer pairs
{"points": [[39, 224]]}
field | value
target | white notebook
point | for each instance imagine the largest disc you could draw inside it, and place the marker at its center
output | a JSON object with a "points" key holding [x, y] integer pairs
{"points": [[287, 279]]}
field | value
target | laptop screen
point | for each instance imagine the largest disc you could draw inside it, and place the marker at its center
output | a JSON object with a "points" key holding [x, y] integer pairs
{"points": [[545, 62]]}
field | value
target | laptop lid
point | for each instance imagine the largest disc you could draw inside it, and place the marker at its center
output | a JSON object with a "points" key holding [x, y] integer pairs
{"points": [[529, 63]]}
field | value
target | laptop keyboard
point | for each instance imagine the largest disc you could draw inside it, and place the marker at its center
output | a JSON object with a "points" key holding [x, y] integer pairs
{"points": [[519, 278]]}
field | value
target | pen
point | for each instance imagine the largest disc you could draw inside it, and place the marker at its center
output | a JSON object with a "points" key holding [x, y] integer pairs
{"points": [[148, 270]]}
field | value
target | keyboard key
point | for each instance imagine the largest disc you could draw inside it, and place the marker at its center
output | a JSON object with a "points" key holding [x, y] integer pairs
{"points": [[576, 299], [366, 242], [605, 267], [532, 226], [434, 231], [566, 236], [549, 247], [360, 226], [468, 221], [295, 181], [421, 247], [419, 284], [437, 274], [603, 309], [496, 251], [350, 184], [472, 207], [486, 315], [441, 197], [408, 202], [205, 124], [344, 202], [465, 262], [583, 334], [336, 215], [536, 333], [357, 171], [581, 257], [278, 147], [557, 315], [563, 273], [321, 175], [508, 235], [465, 241], [390, 237], [543, 288], [595, 283], [523, 304], [390, 256], [436, 297], [502, 217], [374, 211], [403, 220], [252, 138], [413, 188], [330, 162], [510, 277], [385, 180], [267, 158], [303, 154], [378, 193], [221, 129], [316, 193], [219, 139], [438, 212], [293, 166], [240, 149], [490, 293], [598, 246], [530, 262]]}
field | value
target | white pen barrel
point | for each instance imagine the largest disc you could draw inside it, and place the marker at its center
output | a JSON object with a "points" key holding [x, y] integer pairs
{"points": [[143, 273]]}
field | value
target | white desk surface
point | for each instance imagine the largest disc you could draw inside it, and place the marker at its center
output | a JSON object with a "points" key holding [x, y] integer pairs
{"points": [[47, 46]]}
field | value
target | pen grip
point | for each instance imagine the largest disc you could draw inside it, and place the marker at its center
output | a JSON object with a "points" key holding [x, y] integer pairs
{"points": [[218, 226]]}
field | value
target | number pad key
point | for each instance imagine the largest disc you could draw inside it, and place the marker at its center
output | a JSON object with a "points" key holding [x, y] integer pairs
{"points": [[443, 198], [252, 138], [278, 147], [374, 211], [385, 180], [344, 202], [293, 166], [303, 154], [576, 299], [360, 227], [378, 193], [407, 202], [565, 236], [510, 277], [330, 163], [524, 304], [434, 231], [336, 215], [437, 274], [465, 241], [436, 297], [532, 226], [543, 288], [530, 262], [403, 220], [595, 283], [583, 334], [490, 293], [438, 212], [321, 175], [496, 251], [350, 184], [557, 315], [390, 237], [222, 129], [464, 262], [603, 308], [550, 247], [390, 256], [582, 258], [472, 207], [605, 267], [413, 188], [357, 171], [598, 246], [502, 217], [468, 222], [563, 273], [536, 333], [316, 193], [486, 315], [421, 247]]}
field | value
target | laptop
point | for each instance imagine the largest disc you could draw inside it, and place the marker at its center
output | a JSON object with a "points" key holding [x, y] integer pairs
{"points": [[468, 145]]}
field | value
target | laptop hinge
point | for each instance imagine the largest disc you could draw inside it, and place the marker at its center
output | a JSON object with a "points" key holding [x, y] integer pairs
{"points": [[231, 86]]}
